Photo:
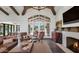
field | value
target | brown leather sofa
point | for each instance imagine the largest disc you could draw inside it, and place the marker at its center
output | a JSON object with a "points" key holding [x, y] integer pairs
{"points": [[7, 46]]}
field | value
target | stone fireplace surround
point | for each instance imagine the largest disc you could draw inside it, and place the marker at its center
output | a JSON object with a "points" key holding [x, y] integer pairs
{"points": [[68, 34]]}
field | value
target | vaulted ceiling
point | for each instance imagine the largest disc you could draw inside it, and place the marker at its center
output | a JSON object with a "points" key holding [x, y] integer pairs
{"points": [[7, 10]]}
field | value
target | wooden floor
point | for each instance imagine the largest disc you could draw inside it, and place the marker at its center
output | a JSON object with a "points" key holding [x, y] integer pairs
{"points": [[41, 47], [46, 46]]}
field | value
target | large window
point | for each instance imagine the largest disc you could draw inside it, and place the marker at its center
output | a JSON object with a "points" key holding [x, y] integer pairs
{"points": [[17, 28], [5, 29], [41, 27], [10, 28], [1, 29], [35, 28], [13, 28]]}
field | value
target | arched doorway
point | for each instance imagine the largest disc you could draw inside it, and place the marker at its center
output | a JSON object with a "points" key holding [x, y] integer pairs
{"points": [[41, 23]]}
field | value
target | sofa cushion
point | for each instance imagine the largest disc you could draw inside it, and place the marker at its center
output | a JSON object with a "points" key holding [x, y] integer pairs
{"points": [[7, 41]]}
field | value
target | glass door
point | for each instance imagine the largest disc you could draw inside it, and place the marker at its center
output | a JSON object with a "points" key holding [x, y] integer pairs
{"points": [[10, 28]]}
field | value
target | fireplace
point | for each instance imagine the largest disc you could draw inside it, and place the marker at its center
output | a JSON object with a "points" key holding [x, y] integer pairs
{"points": [[73, 44]]}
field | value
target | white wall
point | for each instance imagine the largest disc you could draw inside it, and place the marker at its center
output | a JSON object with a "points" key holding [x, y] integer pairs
{"points": [[23, 22]]}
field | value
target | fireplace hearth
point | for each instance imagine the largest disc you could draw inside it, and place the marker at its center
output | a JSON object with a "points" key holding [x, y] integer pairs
{"points": [[73, 44]]}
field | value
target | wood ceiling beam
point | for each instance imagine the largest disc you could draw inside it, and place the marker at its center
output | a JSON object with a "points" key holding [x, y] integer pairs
{"points": [[52, 9], [4, 11], [25, 9], [14, 10]]}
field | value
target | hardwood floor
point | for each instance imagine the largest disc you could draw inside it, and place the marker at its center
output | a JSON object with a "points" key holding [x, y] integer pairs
{"points": [[46, 46], [41, 47]]}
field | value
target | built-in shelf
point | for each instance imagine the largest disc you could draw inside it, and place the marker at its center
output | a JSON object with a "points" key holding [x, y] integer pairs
{"points": [[71, 29]]}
